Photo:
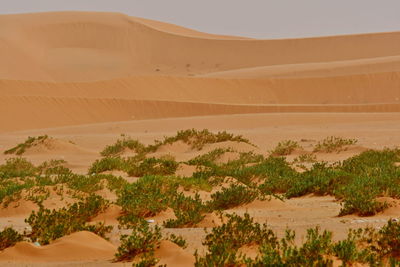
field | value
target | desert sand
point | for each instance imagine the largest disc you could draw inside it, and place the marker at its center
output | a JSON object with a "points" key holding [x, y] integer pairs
{"points": [[85, 78]]}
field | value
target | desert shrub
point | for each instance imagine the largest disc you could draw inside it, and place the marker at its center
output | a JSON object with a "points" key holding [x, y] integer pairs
{"points": [[333, 144], [283, 252], [197, 139], [360, 197], [17, 167], [9, 237], [194, 183], [108, 164], [48, 225], [305, 158], [188, 211], [224, 241], [147, 197], [154, 166], [21, 148], [124, 143], [321, 179], [142, 242], [233, 196], [53, 167], [179, 240], [285, 148], [209, 158]]}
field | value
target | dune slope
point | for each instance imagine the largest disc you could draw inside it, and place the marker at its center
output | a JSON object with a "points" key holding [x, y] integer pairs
{"points": [[66, 68]]}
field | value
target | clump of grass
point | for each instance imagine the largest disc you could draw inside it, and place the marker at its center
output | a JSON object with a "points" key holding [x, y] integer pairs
{"points": [[9, 237], [124, 143], [142, 242], [285, 148], [334, 144], [154, 166], [30, 142]]}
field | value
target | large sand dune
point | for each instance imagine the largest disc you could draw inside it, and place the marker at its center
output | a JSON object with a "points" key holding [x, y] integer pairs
{"points": [[67, 68]]}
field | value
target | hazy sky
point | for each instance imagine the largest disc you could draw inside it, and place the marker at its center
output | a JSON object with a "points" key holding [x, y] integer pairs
{"points": [[253, 18]]}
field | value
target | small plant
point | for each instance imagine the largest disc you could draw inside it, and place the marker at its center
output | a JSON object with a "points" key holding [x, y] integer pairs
{"points": [[17, 167], [142, 242], [30, 142], [285, 148], [333, 144], [9, 237], [179, 240]]}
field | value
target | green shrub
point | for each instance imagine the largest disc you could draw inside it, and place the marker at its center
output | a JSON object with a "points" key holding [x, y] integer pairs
{"points": [[197, 139], [188, 211], [48, 225], [142, 242], [333, 144], [154, 166], [124, 143], [30, 142], [285, 148], [147, 197], [108, 164], [233, 196], [9, 237], [17, 167]]}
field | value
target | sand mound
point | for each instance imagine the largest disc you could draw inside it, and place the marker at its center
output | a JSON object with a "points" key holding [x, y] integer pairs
{"points": [[163, 216], [109, 216], [210, 220], [54, 146], [172, 255], [75, 247]]}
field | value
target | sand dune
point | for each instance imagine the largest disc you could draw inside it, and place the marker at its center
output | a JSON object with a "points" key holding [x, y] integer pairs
{"points": [[78, 246], [66, 68]]}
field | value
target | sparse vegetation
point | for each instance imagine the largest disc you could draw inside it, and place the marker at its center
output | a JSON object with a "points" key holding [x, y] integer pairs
{"points": [[30, 142], [334, 144], [9, 237], [285, 148]]}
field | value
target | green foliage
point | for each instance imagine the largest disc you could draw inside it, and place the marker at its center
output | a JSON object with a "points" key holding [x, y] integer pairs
{"points": [[30, 142], [17, 167], [188, 211], [122, 144], [197, 139], [233, 196], [334, 144], [179, 240], [9, 237], [142, 242], [48, 225], [154, 166], [285, 148], [209, 158], [147, 197]]}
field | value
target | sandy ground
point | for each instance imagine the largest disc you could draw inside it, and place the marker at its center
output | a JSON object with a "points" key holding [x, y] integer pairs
{"points": [[85, 78]]}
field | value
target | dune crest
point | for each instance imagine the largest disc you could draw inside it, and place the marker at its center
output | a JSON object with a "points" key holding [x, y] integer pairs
{"points": [[78, 246]]}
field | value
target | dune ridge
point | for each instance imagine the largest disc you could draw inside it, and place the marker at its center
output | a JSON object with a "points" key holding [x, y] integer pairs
{"points": [[65, 68]]}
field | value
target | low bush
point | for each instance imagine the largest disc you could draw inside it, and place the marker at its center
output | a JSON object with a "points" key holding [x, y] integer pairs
{"points": [[142, 242], [188, 211], [233, 196], [9, 237], [48, 225]]}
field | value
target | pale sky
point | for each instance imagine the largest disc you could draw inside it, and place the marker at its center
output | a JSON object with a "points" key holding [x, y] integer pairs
{"points": [[265, 19]]}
